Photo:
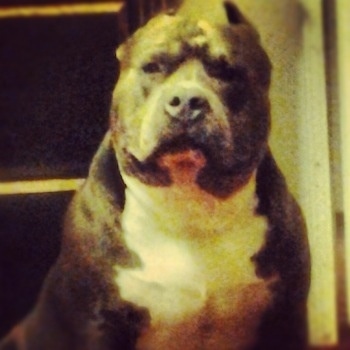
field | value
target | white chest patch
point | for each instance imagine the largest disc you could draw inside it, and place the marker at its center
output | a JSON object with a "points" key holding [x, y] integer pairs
{"points": [[197, 279]]}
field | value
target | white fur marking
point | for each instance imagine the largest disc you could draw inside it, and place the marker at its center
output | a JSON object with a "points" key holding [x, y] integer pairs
{"points": [[195, 250]]}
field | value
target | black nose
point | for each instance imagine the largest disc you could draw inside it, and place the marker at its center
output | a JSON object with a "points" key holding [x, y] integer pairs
{"points": [[187, 107]]}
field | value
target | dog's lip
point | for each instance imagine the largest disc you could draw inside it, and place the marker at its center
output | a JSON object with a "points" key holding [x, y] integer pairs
{"points": [[180, 144], [182, 152], [186, 159], [183, 166]]}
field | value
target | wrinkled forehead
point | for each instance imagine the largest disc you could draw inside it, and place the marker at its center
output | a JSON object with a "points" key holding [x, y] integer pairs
{"points": [[174, 34]]}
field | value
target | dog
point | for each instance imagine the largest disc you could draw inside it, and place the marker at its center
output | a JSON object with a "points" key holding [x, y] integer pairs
{"points": [[184, 235]]}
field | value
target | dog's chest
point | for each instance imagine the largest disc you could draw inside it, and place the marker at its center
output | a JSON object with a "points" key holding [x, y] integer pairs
{"points": [[197, 278]]}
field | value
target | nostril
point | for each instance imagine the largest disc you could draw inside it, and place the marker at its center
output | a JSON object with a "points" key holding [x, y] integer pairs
{"points": [[197, 103], [186, 106], [175, 102]]}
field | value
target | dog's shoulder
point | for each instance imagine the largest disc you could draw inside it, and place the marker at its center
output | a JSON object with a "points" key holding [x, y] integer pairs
{"points": [[92, 222], [287, 224]]}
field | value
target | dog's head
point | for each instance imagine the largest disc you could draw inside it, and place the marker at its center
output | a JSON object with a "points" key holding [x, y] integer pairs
{"points": [[192, 97]]}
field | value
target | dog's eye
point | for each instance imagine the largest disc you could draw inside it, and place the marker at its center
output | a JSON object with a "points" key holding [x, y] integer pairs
{"points": [[152, 67], [223, 71]]}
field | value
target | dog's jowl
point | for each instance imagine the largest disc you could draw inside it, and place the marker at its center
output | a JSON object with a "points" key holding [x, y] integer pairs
{"points": [[184, 235]]}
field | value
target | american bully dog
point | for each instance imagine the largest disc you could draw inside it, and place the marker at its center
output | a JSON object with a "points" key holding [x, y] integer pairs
{"points": [[184, 235]]}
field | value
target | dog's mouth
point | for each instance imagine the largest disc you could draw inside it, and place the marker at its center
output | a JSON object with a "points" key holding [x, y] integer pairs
{"points": [[187, 159], [180, 150], [182, 158], [178, 160], [183, 166]]}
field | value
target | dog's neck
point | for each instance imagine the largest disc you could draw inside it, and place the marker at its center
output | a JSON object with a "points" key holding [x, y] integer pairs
{"points": [[186, 209]]}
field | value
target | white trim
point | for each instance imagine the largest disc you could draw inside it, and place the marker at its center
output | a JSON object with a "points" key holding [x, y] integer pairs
{"points": [[315, 190], [60, 10], [39, 186]]}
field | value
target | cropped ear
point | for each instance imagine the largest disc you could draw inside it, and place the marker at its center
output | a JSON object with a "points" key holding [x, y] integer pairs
{"points": [[233, 14], [120, 52]]}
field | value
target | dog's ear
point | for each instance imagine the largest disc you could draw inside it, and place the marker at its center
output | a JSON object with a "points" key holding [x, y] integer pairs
{"points": [[233, 14], [120, 52], [235, 17]]}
